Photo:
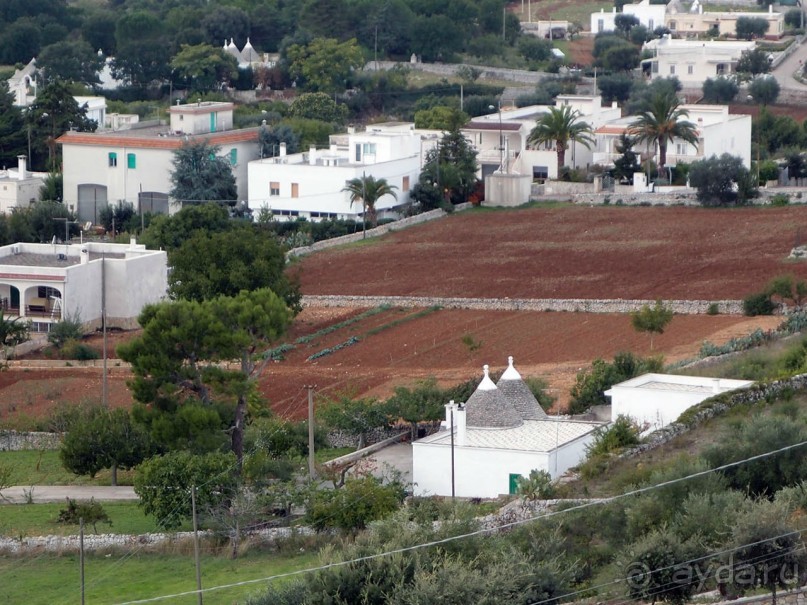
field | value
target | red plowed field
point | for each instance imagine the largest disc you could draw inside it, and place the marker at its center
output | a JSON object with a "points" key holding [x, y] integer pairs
{"points": [[572, 252]]}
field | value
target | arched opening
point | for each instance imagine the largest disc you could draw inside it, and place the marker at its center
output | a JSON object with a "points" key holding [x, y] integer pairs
{"points": [[43, 301], [9, 299]]}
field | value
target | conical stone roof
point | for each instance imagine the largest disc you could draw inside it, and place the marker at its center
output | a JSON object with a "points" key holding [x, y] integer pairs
{"points": [[488, 408], [519, 394]]}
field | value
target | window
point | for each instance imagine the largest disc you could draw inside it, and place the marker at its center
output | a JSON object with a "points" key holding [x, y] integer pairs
{"points": [[672, 70], [405, 184], [131, 161], [233, 156], [274, 188], [113, 159], [690, 69], [680, 149], [295, 190], [369, 149], [600, 25], [540, 172], [46, 292], [672, 25], [654, 67], [650, 25]]}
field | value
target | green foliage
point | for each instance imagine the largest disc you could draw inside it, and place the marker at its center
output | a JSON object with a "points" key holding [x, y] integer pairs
{"points": [[720, 90], [101, 439], [722, 181], [351, 507], [318, 106], [119, 217], [759, 303], [748, 28], [369, 190], [534, 49], [68, 328], [472, 343], [354, 416], [615, 87], [769, 171], [223, 264], [713, 309], [325, 64], [628, 163], [538, 486], [660, 122], [91, 512], [204, 67], [199, 175], [79, 351], [658, 564], [780, 199], [794, 17], [560, 126], [450, 168], [764, 90], [590, 384], [13, 332], [755, 436], [337, 347], [440, 118], [270, 138], [164, 483], [787, 289], [620, 434], [653, 320], [422, 402], [753, 62], [170, 232]]}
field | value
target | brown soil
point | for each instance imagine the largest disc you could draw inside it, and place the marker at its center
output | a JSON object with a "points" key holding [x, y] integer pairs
{"points": [[580, 50], [797, 112], [572, 252]]}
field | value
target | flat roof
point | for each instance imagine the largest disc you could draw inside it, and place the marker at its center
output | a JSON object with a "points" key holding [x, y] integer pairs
{"points": [[683, 384], [531, 436], [29, 259]]}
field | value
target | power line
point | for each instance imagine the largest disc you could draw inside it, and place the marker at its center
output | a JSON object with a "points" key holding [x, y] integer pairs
{"points": [[478, 532]]}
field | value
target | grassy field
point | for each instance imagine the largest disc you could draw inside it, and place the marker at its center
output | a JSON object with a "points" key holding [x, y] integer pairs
{"points": [[43, 467], [40, 520], [118, 579]]}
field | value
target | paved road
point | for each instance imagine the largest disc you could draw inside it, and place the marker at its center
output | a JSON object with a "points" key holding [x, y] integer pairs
{"points": [[58, 493], [785, 70]]}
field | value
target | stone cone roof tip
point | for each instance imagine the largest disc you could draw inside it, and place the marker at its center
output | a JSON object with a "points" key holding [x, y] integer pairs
{"points": [[487, 407], [519, 394]]}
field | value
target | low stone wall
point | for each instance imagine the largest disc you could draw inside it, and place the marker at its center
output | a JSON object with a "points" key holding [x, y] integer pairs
{"points": [[12, 441], [684, 307], [374, 232], [373, 436], [366, 451], [102, 542]]}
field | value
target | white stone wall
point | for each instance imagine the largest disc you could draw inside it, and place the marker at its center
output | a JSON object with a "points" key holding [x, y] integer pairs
{"points": [[13, 441]]}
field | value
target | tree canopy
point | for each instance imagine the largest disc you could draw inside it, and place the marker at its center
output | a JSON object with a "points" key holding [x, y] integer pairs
{"points": [[367, 190], [199, 175], [561, 125]]}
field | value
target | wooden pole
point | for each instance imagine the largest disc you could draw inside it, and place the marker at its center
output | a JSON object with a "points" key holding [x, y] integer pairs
{"points": [[81, 555], [104, 401], [196, 546], [312, 471]]}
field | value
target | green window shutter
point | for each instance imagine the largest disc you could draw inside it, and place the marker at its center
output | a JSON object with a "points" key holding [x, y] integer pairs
{"points": [[131, 160], [113, 159], [233, 156], [514, 477]]}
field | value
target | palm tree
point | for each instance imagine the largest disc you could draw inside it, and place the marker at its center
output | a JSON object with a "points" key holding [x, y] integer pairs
{"points": [[662, 122], [368, 190], [559, 126]]}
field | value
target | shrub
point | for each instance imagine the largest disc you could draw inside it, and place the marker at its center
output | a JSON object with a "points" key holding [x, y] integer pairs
{"points": [[92, 512], [780, 199], [622, 433], [353, 506], [69, 328], [538, 486], [713, 309], [759, 303], [590, 384], [73, 349]]}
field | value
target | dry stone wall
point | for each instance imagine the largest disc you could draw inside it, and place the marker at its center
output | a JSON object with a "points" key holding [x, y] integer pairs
{"points": [[12, 441], [572, 305]]}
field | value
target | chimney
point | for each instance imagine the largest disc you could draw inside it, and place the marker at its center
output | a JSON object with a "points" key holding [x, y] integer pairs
{"points": [[282, 151], [715, 385], [22, 168], [459, 424], [312, 156], [770, 9], [85, 256]]}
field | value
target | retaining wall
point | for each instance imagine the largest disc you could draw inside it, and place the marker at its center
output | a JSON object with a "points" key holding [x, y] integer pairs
{"points": [[684, 307], [12, 441]]}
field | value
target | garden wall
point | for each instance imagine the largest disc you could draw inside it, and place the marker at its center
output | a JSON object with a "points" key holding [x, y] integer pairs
{"points": [[12, 441], [685, 307]]}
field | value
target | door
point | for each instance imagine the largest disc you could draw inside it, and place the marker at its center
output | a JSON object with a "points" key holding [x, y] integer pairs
{"points": [[514, 477], [91, 199]]}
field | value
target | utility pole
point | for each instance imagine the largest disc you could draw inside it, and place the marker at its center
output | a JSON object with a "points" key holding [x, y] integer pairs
{"points": [[312, 471], [81, 555], [104, 401], [451, 403], [196, 545]]}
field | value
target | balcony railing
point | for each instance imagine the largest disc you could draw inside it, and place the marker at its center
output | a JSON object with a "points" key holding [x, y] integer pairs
{"points": [[36, 311]]}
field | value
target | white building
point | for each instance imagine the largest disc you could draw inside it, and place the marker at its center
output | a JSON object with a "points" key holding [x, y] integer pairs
{"points": [[44, 282], [500, 137], [649, 15], [696, 21], [499, 435], [655, 400], [96, 109], [718, 131], [19, 188], [22, 84], [310, 184], [135, 165], [693, 61]]}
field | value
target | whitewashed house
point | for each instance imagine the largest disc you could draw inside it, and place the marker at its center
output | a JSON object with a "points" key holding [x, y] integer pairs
{"points": [[310, 184], [500, 434], [500, 138], [695, 21], [22, 84], [45, 282], [96, 109], [718, 130], [655, 400], [649, 15], [135, 165], [693, 61], [19, 188]]}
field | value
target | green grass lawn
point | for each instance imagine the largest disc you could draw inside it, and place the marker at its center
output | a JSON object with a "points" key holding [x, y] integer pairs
{"points": [[54, 580], [40, 520], [43, 467]]}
